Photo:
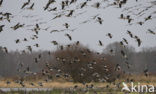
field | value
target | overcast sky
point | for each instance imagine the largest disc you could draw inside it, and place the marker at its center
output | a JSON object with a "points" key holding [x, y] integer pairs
{"points": [[88, 33]]}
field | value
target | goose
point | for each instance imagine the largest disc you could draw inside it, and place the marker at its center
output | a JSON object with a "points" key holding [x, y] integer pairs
{"points": [[70, 13], [152, 32], [1, 3], [100, 43], [25, 4], [1, 27], [83, 4], [99, 20], [31, 7], [48, 4], [148, 18], [54, 42], [70, 38], [109, 35]]}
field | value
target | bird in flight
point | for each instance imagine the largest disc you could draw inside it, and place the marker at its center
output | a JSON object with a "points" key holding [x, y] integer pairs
{"points": [[148, 18], [138, 40], [130, 34], [25, 4], [1, 28], [1, 3], [125, 40], [152, 32], [66, 25], [31, 7], [83, 4], [109, 35], [48, 4], [70, 13], [70, 38], [54, 42], [18, 25], [100, 43], [17, 41], [99, 20]]}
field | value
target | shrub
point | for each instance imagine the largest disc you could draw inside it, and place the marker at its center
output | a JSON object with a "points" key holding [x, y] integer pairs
{"points": [[82, 64]]}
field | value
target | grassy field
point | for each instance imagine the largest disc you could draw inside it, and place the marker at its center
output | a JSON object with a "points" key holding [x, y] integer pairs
{"points": [[64, 87], [68, 91]]}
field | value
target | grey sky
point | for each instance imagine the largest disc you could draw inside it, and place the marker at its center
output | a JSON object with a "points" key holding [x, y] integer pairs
{"points": [[88, 33]]}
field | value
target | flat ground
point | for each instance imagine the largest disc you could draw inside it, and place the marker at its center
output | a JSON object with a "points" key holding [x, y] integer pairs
{"points": [[63, 87]]}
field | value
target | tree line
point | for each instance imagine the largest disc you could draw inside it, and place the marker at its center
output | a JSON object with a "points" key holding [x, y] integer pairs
{"points": [[79, 62]]}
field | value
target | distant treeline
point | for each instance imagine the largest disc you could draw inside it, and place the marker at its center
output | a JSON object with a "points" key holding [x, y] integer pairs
{"points": [[17, 63]]}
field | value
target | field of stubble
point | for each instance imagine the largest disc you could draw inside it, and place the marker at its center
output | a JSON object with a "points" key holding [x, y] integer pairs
{"points": [[63, 87]]}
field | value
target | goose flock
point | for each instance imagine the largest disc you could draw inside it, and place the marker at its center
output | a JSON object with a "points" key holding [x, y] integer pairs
{"points": [[27, 19]]}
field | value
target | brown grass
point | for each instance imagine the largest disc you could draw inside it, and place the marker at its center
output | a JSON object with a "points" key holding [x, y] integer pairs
{"points": [[151, 80]]}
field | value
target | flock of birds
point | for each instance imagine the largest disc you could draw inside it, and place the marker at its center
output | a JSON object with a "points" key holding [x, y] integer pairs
{"points": [[69, 13]]}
